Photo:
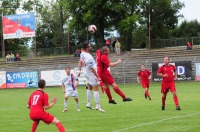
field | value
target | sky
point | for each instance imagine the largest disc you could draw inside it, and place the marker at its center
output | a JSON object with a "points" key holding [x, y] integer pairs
{"points": [[191, 10]]}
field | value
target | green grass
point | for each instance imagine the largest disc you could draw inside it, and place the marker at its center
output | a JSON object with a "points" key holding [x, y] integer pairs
{"points": [[140, 115]]}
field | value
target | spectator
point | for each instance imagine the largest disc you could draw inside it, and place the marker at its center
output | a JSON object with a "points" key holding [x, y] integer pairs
{"points": [[108, 43], [189, 46], [117, 47], [12, 57], [7, 57], [77, 53], [113, 45], [17, 57]]}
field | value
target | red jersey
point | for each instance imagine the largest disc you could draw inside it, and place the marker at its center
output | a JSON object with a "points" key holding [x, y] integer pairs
{"points": [[144, 75], [103, 64], [37, 100], [169, 70]]}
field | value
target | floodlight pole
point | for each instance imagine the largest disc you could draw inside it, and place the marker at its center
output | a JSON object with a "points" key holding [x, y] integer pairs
{"points": [[3, 45], [149, 25]]}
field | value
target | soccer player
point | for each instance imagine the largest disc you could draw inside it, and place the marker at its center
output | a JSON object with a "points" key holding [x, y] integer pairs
{"points": [[143, 78], [38, 103], [69, 87], [168, 74], [103, 63], [90, 73]]}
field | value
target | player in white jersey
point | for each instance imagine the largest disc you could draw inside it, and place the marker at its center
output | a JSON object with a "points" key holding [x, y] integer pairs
{"points": [[91, 75], [69, 87]]}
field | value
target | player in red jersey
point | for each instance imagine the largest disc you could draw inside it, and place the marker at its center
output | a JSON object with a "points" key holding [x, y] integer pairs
{"points": [[168, 74], [37, 102], [103, 63], [143, 78]]}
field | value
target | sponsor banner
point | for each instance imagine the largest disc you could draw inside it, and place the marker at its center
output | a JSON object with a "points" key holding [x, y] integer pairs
{"points": [[18, 26], [183, 68], [2, 79], [197, 71], [22, 79], [54, 77], [81, 78]]}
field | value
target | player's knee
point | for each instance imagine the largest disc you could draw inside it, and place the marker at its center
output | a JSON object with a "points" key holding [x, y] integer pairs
{"points": [[55, 121]]}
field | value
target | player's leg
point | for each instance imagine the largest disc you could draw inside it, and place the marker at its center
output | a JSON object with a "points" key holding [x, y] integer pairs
{"points": [[58, 125], [108, 93], [146, 89], [77, 104], [97, 98], [75, 95], [66, 102], [89, 94], [34, 126], [120, 93], [175, 97]]}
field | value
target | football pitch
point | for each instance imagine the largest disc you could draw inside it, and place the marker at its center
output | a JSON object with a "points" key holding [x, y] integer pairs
{"points": [[140, 115]]}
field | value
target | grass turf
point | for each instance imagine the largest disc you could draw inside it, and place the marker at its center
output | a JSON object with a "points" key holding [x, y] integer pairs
{"points": [[140, 115]]}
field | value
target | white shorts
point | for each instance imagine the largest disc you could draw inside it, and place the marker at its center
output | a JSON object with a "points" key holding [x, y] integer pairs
{"points": [[91, 79], [117, 50], [71, 93]]}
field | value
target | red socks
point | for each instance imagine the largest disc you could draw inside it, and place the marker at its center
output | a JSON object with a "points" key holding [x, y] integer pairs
{"points": [[34, 126], [107, 90], [176, 100], [60, 127], [119, 92], [163, 100], [147, 93]]}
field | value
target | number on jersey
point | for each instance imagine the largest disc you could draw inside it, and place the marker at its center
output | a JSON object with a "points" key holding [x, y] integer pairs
{"points": [[35, 99]]}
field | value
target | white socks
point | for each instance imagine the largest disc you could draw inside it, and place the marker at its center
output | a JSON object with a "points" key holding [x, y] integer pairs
{"points": [[65, 104], [89, 93], [96, 97]]}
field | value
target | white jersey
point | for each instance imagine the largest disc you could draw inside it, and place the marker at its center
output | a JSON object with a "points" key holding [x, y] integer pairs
{"points": [[88, 62], [69, 81]]}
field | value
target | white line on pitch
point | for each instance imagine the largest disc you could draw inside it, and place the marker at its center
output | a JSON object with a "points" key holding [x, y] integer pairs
{"points": [[158, 121]]}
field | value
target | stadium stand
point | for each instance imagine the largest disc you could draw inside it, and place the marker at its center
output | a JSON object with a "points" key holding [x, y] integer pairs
{"points": [[125, 72]]}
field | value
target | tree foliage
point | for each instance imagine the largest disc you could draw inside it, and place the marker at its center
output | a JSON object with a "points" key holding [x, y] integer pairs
{"points": [[106, 15]]}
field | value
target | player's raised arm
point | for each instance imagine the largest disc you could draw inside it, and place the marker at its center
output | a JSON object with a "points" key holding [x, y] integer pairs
{"points": [[112, 64], [54, 100]]}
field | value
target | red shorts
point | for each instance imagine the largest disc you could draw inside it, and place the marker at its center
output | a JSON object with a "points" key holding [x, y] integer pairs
{"points": [[145, 84], [44, 116], [102, 85], [166, 86], [107, 78]]}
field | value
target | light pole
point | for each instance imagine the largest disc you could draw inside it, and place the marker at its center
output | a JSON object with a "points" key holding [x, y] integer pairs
{"points": [[149, 24]]}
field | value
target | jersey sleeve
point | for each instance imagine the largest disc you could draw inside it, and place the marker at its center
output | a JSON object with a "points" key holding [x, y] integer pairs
{"points": [[45, 101], [139, 73], [75, 77], [160, 70], [63, 80], [91, 63], [105, 59], [149, 73]]}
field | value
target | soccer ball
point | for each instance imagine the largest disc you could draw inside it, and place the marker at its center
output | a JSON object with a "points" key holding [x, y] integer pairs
{"points": [[92, 28]]}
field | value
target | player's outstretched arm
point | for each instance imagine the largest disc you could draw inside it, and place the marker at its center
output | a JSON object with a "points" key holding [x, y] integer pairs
{"points": [[54, 100], [138, 79], [63, 88], [112, 64], [79, 68]]}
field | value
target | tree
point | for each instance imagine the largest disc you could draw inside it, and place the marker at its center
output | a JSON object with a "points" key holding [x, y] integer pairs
{"points": [[106, 15], [164, 16], [51, 19], [188, 29]]}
